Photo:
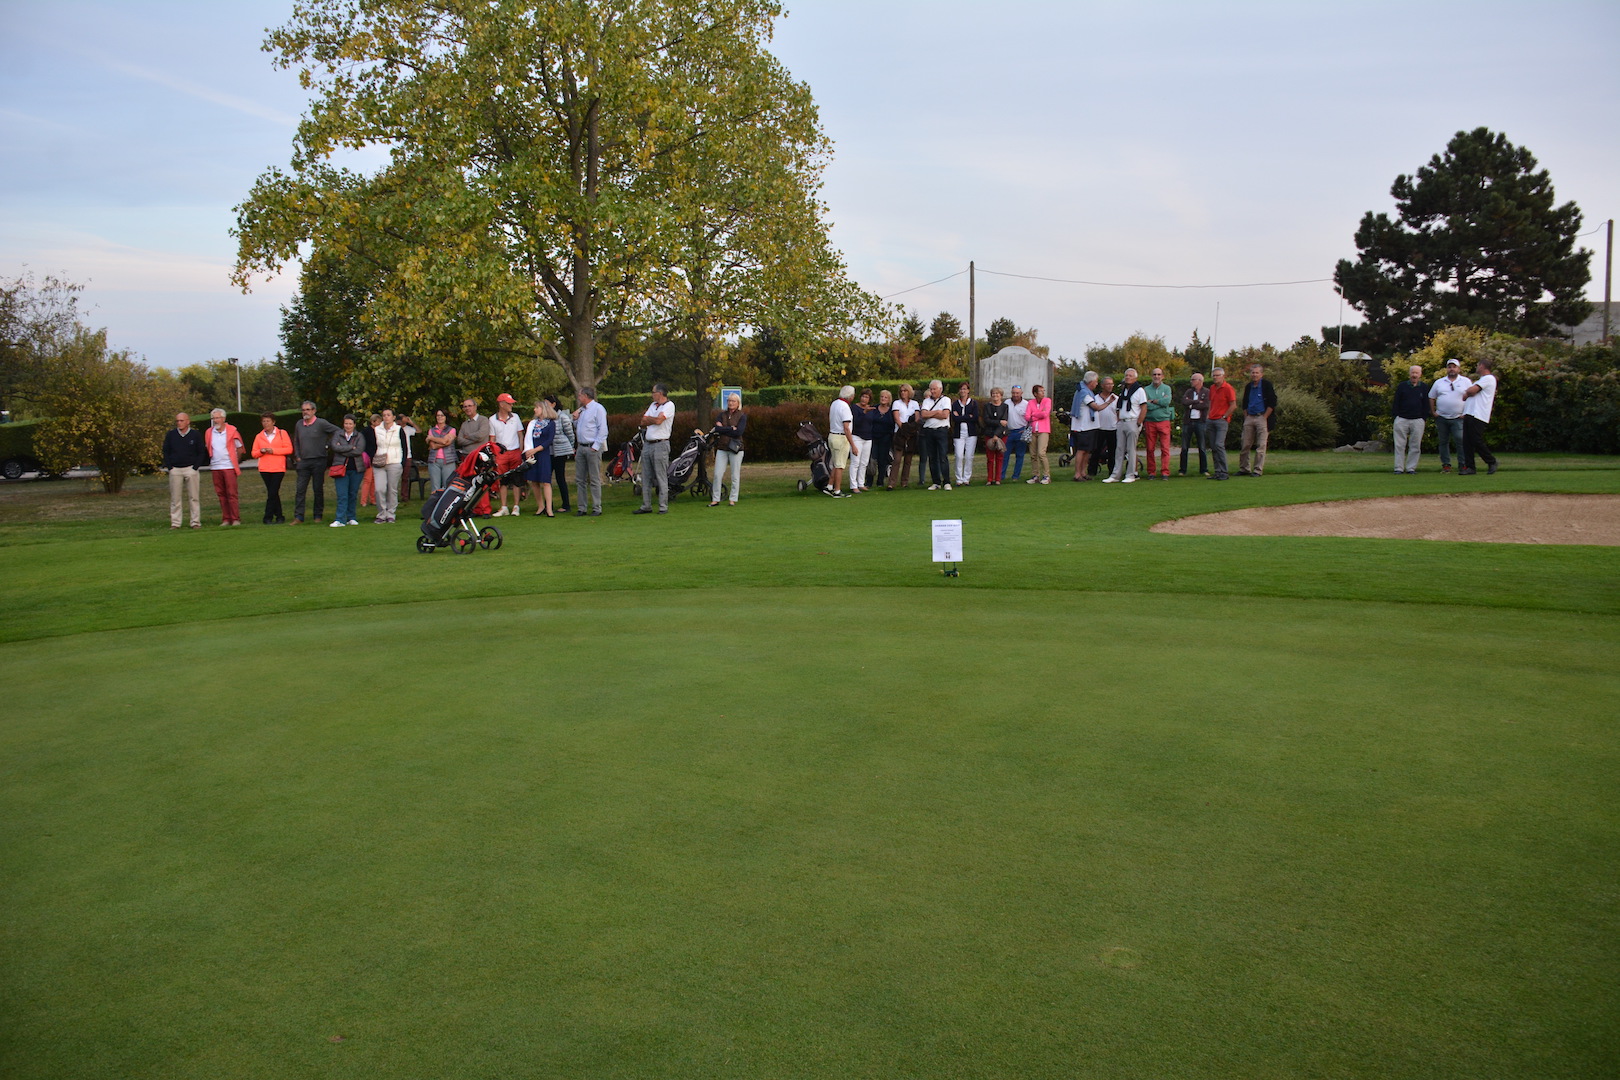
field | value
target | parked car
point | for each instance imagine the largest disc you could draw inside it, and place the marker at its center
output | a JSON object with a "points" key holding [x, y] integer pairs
{"points": [[17, 457]]}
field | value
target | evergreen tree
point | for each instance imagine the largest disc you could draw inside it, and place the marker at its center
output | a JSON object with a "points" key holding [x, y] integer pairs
{"points": [[1478, 241]]}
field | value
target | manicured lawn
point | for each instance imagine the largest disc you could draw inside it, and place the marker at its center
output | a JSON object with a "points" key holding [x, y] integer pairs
{"points": [[755, 792]]}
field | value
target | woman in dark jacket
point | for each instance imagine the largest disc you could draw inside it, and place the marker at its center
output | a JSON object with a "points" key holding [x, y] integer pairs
{"points": [[349, 453], [882, 451], [729, 428], [993, 430], [964, 432]]}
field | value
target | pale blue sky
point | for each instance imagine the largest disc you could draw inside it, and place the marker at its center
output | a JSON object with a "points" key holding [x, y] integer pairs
{"points": [[1170, 143]]}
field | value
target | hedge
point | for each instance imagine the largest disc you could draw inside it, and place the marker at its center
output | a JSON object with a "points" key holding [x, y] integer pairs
{"points": [[17, 440], [772, 430]]}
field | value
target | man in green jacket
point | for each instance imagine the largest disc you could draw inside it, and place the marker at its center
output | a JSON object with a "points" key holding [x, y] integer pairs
{"points": [[1161, 411]]}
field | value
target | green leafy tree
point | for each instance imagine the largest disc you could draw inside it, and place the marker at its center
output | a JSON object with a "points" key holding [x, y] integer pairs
{"points": [[911, 329], [751, 240], [37, 318], [104, 407], [530, 180], [1478, 241], [942, 332]]}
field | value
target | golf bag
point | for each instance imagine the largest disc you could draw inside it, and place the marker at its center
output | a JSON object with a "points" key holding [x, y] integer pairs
{"points": [[815, 447], [688, 466], [624, 462], [447, 515]]}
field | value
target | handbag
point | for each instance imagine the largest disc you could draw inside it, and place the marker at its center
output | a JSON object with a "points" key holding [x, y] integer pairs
{"points": [[340, 469], [995, 444]]}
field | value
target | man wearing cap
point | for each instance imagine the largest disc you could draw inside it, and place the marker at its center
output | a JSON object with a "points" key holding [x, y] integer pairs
{"points": [[656, 424], [1446, 400], [506, 432], [1410, 408]]}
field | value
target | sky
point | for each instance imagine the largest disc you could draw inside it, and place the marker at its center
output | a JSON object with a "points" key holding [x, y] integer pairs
{"points": [[1145, 143]]}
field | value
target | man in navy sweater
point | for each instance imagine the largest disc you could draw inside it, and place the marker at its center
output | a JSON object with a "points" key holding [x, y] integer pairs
{"points": [[183, 455]]}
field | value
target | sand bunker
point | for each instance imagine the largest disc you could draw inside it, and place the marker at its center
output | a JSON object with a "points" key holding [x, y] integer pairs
{"points": [[1507, 518]]}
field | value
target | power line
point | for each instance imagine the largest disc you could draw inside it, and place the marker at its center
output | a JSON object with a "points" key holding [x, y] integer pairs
{"points": [[924, 285], [1137, 285]]}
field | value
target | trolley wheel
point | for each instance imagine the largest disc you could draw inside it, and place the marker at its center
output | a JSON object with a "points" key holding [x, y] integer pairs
{"points": [[1064, 459], [635, 482], [700, 490], [423, 546], [464, 543], [803, 484], [490, 539]]}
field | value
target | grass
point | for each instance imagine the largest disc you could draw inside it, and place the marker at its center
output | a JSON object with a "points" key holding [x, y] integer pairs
{"points": [[764, 796]]}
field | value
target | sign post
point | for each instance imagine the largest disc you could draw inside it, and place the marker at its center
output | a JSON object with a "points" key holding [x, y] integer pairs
{"points": [[948, 545]]}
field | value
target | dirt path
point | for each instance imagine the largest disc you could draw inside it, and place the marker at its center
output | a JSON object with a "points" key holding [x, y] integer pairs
{"points": [[1507, 518]]}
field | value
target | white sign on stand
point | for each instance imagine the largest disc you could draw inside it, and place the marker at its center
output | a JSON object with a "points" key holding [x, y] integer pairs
{"points": [[948, 541]]}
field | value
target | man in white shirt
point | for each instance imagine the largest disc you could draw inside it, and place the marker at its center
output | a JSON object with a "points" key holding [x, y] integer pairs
{"points": [[590, 440], [656, 424], [1446, 401], [936, 435], [1017, 433], [506, 432], [840, 425], [1129, 408], [1481, 397], [1083, 424], [905, 439]]}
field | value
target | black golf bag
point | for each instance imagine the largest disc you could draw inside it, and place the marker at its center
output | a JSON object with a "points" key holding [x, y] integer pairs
{"points": [[815, 447], [689, 462], [446, 507]]}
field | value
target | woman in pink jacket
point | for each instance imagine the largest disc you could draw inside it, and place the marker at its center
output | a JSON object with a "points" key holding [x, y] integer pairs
{"points": [[1039, 415]]}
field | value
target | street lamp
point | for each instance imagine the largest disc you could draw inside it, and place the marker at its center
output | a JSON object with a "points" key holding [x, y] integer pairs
{"points": [[237, 364]]}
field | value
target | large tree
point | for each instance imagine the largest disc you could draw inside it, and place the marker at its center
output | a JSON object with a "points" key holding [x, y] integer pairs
{"points": [[1478, 241], [532, 147]]}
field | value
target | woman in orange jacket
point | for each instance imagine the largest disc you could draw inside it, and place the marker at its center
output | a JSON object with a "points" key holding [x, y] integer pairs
{"points": [[272, 447]]}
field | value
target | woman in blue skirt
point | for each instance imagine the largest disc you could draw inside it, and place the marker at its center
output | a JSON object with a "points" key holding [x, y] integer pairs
{"points": [[537, 442]]}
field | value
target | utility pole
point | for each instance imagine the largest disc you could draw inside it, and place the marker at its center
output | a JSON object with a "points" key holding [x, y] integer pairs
{"points": [[237, 364], [973, 345], [1608, 276], [1216, 336]]}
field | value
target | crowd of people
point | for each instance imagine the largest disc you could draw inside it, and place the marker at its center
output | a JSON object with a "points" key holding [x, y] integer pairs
{"points": [[871, 443]]}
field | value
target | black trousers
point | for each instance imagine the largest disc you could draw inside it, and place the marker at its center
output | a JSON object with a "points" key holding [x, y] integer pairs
{"points": [[882, 459], [1195, 429], [1474, 443], [272, 496], [559, 480], [307, 472], [934, 442], [1102, 458]]}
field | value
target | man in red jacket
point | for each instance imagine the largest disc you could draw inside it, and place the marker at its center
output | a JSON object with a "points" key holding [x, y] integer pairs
{"points": [[224, 446]]}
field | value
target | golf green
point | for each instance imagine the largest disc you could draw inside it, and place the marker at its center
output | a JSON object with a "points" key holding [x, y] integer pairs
{"points": [[765, 796]]}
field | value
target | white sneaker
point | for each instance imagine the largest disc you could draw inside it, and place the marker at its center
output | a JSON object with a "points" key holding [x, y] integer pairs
{"points": [[1033, 480], [1110, 479], [337, 524], [947, 487], [1130, 480], [933, 487], [1046, 479]]}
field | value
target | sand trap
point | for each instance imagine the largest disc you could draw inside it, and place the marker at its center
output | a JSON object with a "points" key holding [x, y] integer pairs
{"points": [[1507, 518]]}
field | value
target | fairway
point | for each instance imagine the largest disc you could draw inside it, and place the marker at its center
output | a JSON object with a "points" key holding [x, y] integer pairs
{"points": [[754, 792]]}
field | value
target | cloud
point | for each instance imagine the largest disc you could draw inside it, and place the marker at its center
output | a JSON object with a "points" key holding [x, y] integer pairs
{"points": [[204, 93], [110, 267]]}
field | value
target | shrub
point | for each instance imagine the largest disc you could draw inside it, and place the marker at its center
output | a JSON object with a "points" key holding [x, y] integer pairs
{"points": [[772, 430], [1304, 421]]}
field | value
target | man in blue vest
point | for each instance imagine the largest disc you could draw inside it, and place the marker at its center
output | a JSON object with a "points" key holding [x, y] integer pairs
{"points": [[1259, 403]]}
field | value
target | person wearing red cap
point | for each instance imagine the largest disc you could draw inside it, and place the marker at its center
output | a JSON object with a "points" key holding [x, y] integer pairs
{"points": [[506, 432]]}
